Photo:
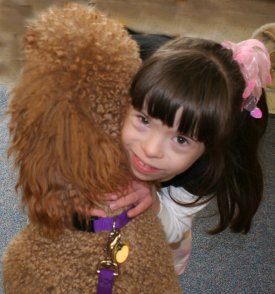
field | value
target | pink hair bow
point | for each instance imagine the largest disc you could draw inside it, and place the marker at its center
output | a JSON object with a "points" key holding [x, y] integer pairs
{"points": [[254, 61]]}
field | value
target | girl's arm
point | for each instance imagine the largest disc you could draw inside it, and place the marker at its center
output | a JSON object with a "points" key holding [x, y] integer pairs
{"points": [[140, 196], [175, 218]]}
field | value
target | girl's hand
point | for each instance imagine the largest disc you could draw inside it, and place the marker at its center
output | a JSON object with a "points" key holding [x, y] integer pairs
{"points": [[141, 195], [95, 212]]}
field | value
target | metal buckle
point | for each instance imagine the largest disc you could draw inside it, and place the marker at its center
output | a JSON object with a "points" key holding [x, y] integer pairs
{"points": [[113, 246], [108, 264]]}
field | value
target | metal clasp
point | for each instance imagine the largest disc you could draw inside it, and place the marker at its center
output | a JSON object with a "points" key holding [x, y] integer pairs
{"points": [[118, 250], [114, 238], [108, 264], [109, 261]]}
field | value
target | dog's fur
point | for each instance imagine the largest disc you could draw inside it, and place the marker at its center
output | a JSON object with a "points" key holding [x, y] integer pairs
{"points": [[266, 34], [66, 113]]}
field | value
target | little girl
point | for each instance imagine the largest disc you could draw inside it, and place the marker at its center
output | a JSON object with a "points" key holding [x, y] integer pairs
{"points": [[197, 116]]}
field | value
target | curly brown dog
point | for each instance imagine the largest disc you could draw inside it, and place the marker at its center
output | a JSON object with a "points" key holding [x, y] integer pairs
{"points": [[66, 113]]}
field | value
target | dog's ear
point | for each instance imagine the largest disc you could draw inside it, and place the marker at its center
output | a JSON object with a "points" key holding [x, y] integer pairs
{"points": [[266, 34], [66, 112], [270, 33]]}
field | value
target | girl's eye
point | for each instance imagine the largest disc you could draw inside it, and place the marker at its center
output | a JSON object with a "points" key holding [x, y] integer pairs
{"points": [[181, 140], [143, 119]]}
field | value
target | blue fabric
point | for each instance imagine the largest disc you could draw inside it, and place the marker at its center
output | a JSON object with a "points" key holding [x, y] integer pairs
{"points": [[12, 218]]}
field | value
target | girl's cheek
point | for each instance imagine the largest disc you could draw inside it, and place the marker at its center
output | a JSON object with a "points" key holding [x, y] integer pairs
{"points": [[139, 127]]}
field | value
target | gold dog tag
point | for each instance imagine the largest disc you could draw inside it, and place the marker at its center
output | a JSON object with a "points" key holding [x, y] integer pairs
{"points": [[121, 252]]}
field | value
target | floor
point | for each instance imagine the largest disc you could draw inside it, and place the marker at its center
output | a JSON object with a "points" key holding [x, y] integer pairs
{"points": [[216, 19]]}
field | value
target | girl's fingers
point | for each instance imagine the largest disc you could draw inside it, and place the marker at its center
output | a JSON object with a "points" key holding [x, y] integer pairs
{"points": [[97, 212], [140, 204], [139, 209], [110, 197], [125, 201]]}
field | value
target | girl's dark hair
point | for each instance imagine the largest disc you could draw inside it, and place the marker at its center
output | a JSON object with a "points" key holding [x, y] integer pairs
{"points": [[201, 77]]}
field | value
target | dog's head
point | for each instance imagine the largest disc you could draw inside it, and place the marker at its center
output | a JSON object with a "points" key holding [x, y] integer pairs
{"points": [[67, 110]]}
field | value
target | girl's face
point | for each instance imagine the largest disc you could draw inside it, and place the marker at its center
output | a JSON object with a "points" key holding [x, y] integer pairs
{"points": [[156, 151]]}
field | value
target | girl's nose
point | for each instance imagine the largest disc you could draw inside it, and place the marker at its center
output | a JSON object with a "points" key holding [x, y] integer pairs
{"points": [[152, 147]]}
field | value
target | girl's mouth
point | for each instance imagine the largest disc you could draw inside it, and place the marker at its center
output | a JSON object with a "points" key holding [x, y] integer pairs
{"points": [[141, 166]]}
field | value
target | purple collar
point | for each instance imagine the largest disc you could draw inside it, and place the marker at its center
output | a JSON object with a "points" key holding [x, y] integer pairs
{"points": [[108, 269], [99, 224], [106, 223]]}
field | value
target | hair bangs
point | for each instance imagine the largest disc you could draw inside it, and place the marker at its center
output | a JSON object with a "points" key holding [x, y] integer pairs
{"points": [[177, 83], [204, 111], [158, 93]]}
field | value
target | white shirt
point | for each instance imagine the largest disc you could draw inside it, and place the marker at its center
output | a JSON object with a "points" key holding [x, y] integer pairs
{"points": [[176, 219], [177, 222]]}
